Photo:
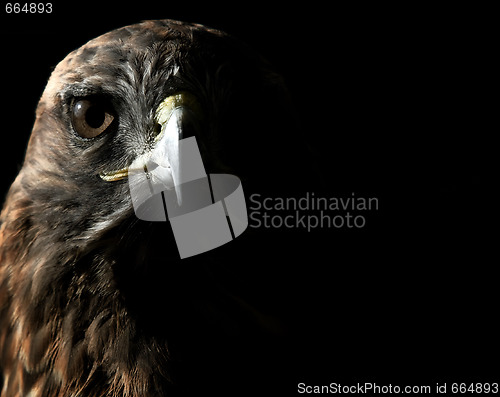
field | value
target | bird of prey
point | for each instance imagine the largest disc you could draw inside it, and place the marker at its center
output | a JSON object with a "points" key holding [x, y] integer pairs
{"points": [[93, 300]]}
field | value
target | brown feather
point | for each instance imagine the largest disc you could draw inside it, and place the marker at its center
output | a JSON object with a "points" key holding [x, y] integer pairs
{"points": [[87, 300]]}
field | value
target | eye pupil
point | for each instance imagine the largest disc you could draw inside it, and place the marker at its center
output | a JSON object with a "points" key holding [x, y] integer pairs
{"points": [[95, 116], [91, 117]]}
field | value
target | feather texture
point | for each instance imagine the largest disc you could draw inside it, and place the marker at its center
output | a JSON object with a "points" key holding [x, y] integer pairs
{"points": [[91, 298]]}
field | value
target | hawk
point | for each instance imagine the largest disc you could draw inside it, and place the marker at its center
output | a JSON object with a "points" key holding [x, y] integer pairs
{"points": [[93, 301]]}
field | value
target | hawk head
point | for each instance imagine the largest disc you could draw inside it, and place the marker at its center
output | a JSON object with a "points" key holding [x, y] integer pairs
{"points": [[91, 297]]}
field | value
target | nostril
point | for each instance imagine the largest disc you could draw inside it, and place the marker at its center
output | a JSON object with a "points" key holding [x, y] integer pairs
{"points": [[157, 129]]}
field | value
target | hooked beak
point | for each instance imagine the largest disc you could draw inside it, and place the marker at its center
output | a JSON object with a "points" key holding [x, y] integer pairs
{"points": [[162, 165]]}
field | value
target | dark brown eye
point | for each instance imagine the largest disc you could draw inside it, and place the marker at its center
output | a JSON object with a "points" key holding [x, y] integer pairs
{"points": [[91, 117]]}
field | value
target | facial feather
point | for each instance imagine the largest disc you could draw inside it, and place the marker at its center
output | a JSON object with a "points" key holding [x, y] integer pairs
{"points": [[79, 274]]}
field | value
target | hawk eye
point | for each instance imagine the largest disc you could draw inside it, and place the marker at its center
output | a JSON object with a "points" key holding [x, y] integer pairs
{"points": [[91, 117]]}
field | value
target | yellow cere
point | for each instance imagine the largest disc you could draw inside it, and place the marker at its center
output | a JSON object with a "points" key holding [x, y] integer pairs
{"points": [[162, 115], [182, 99]]}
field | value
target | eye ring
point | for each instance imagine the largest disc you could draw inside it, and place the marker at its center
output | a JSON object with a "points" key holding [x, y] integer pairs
{"points": [[91, 117]]}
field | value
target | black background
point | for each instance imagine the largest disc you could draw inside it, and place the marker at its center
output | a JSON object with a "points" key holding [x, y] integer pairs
{"points": [[395, 104]]}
